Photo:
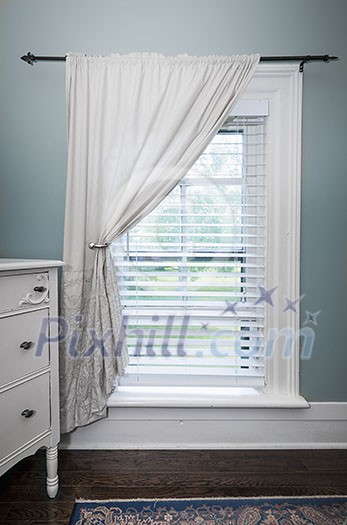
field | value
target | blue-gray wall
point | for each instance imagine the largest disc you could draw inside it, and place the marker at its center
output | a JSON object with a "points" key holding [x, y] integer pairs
{"points": [[33, 126]]}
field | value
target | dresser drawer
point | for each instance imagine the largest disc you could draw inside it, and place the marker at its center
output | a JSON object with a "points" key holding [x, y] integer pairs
{"points": [[20, 291], [17, 430], [19, 354]]}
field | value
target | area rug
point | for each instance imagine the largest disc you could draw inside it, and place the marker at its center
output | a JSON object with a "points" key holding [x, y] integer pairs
{"points": [[320, 510]]}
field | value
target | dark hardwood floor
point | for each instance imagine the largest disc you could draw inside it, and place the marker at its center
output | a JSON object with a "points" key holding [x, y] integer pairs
{"points": [[162, 474]]}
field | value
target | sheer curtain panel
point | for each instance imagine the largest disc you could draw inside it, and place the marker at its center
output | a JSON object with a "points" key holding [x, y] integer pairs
{"points": [[136, 124]]}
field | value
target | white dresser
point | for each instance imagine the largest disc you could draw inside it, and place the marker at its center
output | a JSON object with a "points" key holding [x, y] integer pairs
{"points": [[29, 388]]}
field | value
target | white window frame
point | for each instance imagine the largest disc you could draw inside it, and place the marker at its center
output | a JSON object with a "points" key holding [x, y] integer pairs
{"points": [[279, 86]]}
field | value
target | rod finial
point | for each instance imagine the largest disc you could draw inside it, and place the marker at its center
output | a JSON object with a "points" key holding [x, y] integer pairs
{"points": [[328, 58], [29, 58]]}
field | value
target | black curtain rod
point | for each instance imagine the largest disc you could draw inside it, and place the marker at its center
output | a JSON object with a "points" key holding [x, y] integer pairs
{"points": [[30, 58]]}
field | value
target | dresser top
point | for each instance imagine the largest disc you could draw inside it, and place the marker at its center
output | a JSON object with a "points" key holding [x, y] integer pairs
{"points": [[27, 264]]}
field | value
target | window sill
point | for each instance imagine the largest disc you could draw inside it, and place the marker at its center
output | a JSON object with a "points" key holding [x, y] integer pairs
{"points": [[191, 397]]}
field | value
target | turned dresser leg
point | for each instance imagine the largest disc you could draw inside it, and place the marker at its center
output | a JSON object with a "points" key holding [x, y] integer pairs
{"points": [[52, 471]]}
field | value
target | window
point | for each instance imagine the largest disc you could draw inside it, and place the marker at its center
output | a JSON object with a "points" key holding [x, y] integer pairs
{"points": [[191, 274]]}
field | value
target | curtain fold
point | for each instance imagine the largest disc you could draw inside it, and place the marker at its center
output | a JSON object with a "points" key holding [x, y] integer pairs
{"points": [[136, 125]]}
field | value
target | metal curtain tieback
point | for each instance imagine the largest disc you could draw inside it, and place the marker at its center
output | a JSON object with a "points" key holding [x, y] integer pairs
{"points": [[94, 246]]}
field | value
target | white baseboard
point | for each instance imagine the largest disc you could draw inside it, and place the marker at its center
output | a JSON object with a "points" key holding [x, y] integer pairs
{"points": [[323, 425]]}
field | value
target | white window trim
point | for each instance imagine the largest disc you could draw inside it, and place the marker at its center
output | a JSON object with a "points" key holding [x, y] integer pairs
{"points": [[281, 86]]}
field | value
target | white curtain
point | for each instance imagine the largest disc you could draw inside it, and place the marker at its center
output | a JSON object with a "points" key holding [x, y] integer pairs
{"points": [[136, 124]]}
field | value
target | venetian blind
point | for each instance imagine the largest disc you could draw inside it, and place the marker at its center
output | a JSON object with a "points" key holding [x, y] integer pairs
{"points": [[189, 273]]}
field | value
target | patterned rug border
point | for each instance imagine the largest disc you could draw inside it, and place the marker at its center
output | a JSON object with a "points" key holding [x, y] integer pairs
{"points": [[313, 510]]}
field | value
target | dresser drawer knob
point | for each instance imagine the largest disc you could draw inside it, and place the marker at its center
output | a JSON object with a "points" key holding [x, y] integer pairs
{"points": [[27, 413], [26, 345], [40, 289]]}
